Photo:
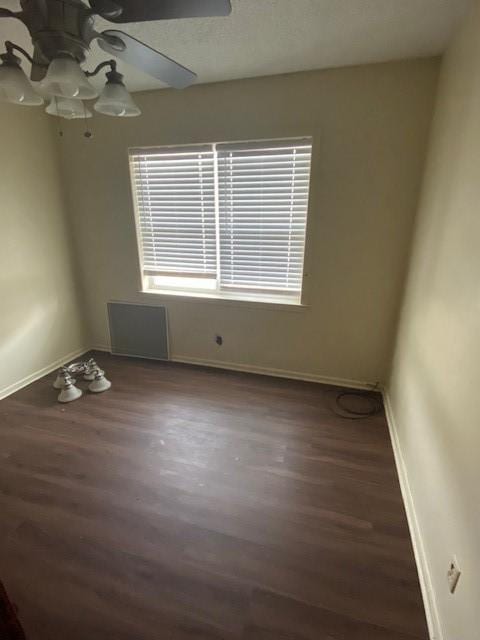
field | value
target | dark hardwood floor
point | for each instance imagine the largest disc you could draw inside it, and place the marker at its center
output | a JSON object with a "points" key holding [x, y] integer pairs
{"points": [[189, 503]]}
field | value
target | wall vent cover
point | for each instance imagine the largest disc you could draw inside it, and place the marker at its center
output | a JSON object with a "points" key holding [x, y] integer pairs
{"points": [[138, 330]]}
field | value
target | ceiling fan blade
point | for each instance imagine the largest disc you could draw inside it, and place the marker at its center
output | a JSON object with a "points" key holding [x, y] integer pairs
{"points": [[146, 59], [142, 10]]}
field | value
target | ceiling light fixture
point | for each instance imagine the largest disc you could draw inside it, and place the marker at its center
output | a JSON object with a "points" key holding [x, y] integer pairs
{"points": [[67, 85], [14, 84], [66, 79], [67, 108], [115, 99], [62, 33]]}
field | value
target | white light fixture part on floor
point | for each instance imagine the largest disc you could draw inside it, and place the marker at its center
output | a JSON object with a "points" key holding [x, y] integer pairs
{"points": [[91, 376], [66, 79], [60, 382], [100, 383], [68, 108], [69, 393], [115, 99], [15, 87]]}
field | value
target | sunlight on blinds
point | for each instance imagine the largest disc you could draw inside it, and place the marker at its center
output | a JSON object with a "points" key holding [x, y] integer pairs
{"points": [[263, 196], [174, 192], [224, 217]]}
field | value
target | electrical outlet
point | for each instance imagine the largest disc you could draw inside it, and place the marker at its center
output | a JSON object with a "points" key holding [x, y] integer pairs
{"points": [[453, 575]]}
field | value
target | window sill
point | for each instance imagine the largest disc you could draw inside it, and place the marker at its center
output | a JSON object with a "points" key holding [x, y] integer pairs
{"points": [[277, 302]]}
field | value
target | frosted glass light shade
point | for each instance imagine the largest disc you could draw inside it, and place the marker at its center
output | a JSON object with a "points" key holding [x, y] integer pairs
{"points": [[67, 108], [66, 79], [15, 87], [116, 101], [100, 384], [69, 393]]}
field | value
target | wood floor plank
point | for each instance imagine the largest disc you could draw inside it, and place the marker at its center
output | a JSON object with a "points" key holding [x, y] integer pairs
{"points": [[196, 503], [273, 617]]}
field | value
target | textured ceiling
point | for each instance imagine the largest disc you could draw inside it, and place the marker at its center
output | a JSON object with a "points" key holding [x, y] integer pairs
{"points": [[266, 37]]}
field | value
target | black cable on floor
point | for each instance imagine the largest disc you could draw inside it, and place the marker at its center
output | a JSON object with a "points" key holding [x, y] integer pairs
{"points": [[343, 411]]}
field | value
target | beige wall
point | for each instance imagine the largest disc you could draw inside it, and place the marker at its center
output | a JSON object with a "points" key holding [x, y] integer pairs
{"points": [[39, 320], [434, 390], [370, 127]]}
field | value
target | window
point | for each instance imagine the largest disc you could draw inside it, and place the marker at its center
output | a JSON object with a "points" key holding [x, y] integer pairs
{"points": [[223, 220]]}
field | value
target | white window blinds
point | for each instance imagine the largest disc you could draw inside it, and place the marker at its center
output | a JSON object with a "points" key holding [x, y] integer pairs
{"points": [[233, 213], [174, 190], [263, 197]]}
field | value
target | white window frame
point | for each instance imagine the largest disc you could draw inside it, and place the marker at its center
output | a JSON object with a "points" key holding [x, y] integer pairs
{"points": [[165, 285]]}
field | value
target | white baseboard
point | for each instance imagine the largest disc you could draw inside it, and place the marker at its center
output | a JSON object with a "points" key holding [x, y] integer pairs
{"points": [[277, 373], [16, 386], [264, 371], [424, 575], [101, 347]]}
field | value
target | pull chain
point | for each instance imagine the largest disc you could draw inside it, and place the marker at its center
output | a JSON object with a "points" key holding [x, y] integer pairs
{"points": [[87, 133], [60, 130]]}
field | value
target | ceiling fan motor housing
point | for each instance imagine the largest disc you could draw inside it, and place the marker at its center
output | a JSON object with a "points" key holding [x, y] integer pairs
{"points": [[65, 29], [57, 28]]}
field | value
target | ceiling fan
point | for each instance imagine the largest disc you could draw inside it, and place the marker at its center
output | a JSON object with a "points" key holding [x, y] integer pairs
{"points": [[62, 32]]}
